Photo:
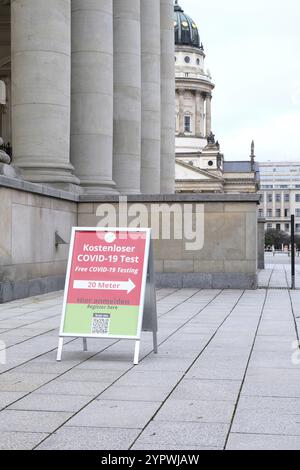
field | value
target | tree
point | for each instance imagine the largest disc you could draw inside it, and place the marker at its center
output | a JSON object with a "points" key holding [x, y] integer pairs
{"points": [[276, 237]]}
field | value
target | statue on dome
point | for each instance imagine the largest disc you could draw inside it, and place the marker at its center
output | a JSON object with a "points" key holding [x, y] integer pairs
{"points": [[211, 139]]}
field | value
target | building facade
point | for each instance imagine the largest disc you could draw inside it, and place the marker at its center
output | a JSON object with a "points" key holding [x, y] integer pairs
{"points": [[87, 106], [280, 194], [87, 94], [193, 86], [200, 165]]}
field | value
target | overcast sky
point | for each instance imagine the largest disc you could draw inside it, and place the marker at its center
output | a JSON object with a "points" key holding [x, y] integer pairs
{"points": [[253, 53]]}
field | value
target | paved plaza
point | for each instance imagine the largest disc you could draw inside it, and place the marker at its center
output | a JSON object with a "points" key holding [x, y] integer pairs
{"points": [[277, 272], [225, 377]]}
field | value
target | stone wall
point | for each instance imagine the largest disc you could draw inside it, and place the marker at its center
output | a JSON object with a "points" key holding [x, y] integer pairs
{"points": [[215, 246], [30, 263], [226, 259]]}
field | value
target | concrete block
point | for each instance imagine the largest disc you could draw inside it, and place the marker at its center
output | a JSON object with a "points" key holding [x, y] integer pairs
{"points": [[180, 266], [234, 281], [169, 280], [240, 207], [209, 267], [241, 266], [197, 280]]}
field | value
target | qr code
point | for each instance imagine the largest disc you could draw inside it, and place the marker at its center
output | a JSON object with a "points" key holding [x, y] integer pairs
{"points": [[100, 324]]}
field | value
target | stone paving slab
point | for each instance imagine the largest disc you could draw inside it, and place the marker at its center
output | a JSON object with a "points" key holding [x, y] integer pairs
{"points": [[184, 434], [217, 390], [224, 374], [266, 422], [262, 442], [115, 414], [70, 438], [20, 441], [31, 421], [40, 402], [198, 411]]}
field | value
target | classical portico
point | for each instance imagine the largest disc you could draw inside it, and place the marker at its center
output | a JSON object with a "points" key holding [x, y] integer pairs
{"points": [[89, 93]]}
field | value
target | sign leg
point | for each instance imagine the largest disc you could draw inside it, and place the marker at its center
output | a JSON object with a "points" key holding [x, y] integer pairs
{"points": [[155, 345], [85, 346], [60, 348], [136, 353]]}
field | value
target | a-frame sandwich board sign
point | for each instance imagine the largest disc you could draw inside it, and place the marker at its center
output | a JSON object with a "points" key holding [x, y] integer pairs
{"points": [[110, 287]]}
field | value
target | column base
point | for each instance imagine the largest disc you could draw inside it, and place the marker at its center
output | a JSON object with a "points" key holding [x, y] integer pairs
{"points": [[59, 175], [96, 187]]}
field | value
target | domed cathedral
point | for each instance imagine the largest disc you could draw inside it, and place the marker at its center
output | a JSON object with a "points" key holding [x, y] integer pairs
{"points": [[193, 86], [200, 165]]}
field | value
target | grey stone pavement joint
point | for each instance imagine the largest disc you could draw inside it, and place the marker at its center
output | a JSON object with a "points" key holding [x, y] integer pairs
{"points": [[225, 377]]}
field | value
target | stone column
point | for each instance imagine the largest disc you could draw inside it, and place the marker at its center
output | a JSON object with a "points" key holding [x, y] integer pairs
{"points": [[41, 77], [181, 111], [208, 114], [92, 94], [198, 115], [167, 98], [261, 243], [127, 96], [6, 112], [151, 119]]}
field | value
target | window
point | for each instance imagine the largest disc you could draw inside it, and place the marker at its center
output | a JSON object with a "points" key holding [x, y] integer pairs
{"points": [[298, 228], [260, 212], [286, 212], [269, 213], [270, 197], [278, 197], [269, 226], [198, 61], [297, 213], [278, 213], [286, 198], [297, 197], [187, 59], [278, 227], [287, 227], [187, 123]]}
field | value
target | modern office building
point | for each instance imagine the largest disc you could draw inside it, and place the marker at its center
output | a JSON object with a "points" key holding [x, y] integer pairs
{"points": [[280, 194]]}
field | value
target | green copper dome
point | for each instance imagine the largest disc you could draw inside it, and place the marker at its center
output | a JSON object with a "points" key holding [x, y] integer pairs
{"points": [[186, 30]]}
